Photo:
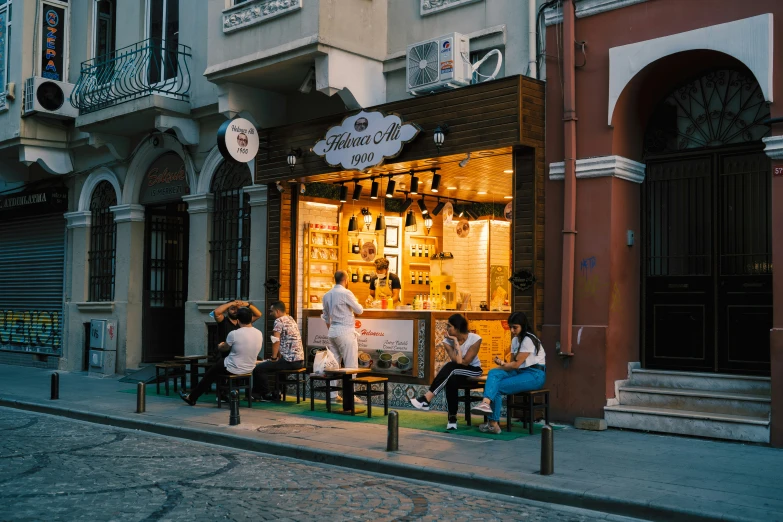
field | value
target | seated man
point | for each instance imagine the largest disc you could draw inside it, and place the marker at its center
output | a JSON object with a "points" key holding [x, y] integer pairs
{"points": [[243, 344], [287, 352]]}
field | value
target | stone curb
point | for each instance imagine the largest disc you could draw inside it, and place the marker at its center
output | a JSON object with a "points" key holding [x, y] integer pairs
{"points": [[527, 491]]}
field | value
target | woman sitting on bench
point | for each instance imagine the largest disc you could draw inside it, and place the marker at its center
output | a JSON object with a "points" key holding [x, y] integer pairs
{"points": [[525, 372]]}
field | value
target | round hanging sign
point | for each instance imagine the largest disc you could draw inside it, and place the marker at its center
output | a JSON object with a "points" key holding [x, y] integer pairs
{"points": [[463, 228], [448, 213], [508, 212], [238, 140]]}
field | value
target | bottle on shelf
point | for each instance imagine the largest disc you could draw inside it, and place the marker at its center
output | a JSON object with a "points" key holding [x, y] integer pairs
{"points": [[416, 302], [420, 250], [413, 250], [413, 277], [426, 303], [427, 251], [355, 246], [421, 278], [354, 277], [426, 278]]}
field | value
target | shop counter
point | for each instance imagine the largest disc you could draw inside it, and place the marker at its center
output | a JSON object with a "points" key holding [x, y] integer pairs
{"points": [[405, 345]]}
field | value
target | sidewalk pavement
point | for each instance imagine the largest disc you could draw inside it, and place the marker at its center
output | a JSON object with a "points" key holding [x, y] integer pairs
{"points": [[620, 472]]}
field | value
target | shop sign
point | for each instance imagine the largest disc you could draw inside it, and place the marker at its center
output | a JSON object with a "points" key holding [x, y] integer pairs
{"points": [[34, 202], [777, 171], [238, 140], [53, 42], [365, 140], [165, 180], [387, 344]]}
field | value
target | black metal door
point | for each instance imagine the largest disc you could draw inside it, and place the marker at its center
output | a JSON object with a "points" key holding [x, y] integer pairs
{"points": [[707, 264], [165, 281]]}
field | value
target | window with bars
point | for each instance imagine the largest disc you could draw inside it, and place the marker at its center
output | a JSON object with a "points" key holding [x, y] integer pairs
{"points": [[230, 244], [103, 242]]}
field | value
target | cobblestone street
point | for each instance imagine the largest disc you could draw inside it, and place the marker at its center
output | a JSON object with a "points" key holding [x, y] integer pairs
{"points": [[59, 469]]}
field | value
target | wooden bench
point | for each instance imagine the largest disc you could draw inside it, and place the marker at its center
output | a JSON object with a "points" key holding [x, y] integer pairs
{"points": [[368, 392], [169, 370], [472, 383], [282, 382], [229, 383], [523, 405]]}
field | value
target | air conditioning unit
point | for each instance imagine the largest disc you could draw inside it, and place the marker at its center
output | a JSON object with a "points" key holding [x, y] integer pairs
{"points": [[48, 98], [439, 64]]}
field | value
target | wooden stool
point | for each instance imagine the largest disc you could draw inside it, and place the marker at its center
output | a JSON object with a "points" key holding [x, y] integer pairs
{"points": [[368, 392], [524, 404], [327, 388], [229, 383], [169, 370], [473, 383], [282, 382]]}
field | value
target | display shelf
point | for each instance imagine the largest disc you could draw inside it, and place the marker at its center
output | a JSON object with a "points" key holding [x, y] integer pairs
{"points": [[315, 282], [419, 264]]}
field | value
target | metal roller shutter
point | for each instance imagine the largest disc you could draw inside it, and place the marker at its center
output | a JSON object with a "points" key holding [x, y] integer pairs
{"points": [[32, 260]]}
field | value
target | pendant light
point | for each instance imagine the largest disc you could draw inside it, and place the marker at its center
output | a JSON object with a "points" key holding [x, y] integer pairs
{"points": [[414, 184], [374, 190], [380, 222], [428, 224], [352, 227], [410, 222], [357, 191]]}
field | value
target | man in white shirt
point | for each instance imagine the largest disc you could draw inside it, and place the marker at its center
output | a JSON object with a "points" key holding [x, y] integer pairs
{"points": [[243, 345], [340, 305]]}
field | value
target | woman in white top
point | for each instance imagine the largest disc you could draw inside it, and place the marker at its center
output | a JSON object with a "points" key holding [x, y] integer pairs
{"points": [[525, 372], [462, 347]]}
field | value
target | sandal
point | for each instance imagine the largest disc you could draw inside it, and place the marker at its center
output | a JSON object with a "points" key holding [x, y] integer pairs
{"points": [[486, 428]]}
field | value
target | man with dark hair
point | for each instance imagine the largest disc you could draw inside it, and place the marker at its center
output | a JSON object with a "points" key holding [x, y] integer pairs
{"points": [[287, 352], [243, 346], [384, 285], [226, 317]]}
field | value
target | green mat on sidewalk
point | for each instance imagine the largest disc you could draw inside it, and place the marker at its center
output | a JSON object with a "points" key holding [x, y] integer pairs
{"points": [[412, 419]]}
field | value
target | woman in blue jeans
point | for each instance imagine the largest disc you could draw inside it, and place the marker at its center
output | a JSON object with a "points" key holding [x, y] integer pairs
{"points": [[525, 372]]}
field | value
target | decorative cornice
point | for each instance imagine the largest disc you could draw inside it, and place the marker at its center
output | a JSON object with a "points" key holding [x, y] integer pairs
{"points": [[604, 166], [586, 8], [128, 212], [257, 193], [80, 219], [429, 7], [774, 147], [256, 12], [199, 203]]}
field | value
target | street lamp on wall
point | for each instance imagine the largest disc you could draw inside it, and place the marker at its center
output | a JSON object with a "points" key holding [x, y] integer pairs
{"points": [[439, 135], [367, 217], [292, 157]]}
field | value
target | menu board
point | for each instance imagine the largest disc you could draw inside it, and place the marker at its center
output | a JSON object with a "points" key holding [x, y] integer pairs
{"points": [[495, 341], [385, 345]]}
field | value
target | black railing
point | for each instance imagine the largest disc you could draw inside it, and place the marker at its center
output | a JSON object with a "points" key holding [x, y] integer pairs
{"points": [[148, 67]]}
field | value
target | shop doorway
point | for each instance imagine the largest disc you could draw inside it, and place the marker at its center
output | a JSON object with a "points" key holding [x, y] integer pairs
{"points": [[706, 223], [165, 281]]}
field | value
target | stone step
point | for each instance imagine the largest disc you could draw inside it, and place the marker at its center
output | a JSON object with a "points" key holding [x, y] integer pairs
{"points": [[683, 422], [715, 382], [742, 404]]}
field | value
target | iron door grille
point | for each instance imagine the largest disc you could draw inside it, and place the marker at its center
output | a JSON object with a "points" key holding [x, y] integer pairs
{"points": [[103, 243], [32, 261], [167, 245]]}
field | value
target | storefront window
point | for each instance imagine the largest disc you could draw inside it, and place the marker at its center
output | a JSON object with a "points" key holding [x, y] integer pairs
{"points": [[103, 241], [230, 245]]}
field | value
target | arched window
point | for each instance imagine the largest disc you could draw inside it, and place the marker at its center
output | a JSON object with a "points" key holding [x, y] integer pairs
{"points": [[103, 241], [230, 245]]}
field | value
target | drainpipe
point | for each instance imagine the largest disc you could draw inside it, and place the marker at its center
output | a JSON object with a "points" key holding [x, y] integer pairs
{"points": [[532, 20], [569, 203]]}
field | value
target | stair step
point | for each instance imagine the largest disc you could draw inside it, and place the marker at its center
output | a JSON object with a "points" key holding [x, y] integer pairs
{"points": [[684, 422], [705, 401], [714, 382]]}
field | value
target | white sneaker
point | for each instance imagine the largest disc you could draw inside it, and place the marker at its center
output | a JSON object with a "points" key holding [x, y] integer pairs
{"points": [[452, 424], [421, 403]]}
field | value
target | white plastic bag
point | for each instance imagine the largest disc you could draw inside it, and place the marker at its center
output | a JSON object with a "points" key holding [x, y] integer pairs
{"points": [[324, 360]]}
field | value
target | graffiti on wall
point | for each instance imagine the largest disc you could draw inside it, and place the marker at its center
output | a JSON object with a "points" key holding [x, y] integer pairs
{"points": [[30, 331]]}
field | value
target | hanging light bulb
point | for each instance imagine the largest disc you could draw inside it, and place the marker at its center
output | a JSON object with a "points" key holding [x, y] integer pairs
{"points": [[410, 222], [435, 186], [352, 227], [390, 188], [374, 190], [343, 193], [428, 224]]}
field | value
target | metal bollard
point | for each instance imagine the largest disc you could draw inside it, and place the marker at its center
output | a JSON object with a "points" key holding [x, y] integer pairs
{"points": [[55, 386], [141, 397], [233, 406], [547, 451], [392, 434]]}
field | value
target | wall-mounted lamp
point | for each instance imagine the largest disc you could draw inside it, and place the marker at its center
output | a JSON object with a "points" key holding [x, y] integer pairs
{"points": [[292, 157], [428, 224], [407, 204], [423, 207], [439, 135], [390, 188], [279, 186], [367, 217], [438, 208], [374, 190], [414, 184], [343, 193], [410, 222], [464, 162], [435, 186], [357, 191]]}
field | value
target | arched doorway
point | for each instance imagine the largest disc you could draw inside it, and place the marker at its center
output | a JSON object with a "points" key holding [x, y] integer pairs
{"points": [[707, 262]]}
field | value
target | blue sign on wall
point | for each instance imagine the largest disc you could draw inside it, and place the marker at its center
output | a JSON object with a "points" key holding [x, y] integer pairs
{"points": [[53, 42]]}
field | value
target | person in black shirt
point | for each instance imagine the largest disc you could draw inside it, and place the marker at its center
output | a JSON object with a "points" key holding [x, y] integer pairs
{"points": [[384, 284], [226, 317]]}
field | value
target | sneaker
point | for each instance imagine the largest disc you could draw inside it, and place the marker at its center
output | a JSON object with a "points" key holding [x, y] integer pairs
{"points": [[257, 397], [486, 428], [452, 424], [186, 397], [481, 408], [421, 403], [358, 400]]}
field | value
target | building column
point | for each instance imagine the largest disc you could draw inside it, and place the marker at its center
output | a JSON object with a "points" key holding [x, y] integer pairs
{"points": [[129, 283], [200, 207], [78, 226], [258, 246]]}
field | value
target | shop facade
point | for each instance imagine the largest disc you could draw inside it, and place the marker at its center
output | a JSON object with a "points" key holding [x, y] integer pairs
{"points": [[662, 219], [479, 229]]}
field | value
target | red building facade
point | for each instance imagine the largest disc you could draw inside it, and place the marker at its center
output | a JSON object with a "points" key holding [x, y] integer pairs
{"points": [[664, 216]]}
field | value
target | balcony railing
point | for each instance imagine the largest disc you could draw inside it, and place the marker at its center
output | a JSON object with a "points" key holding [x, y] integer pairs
{"points": [[148, 67]]}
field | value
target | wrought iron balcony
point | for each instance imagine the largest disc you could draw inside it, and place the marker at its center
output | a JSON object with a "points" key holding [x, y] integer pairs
{"points": [[142, 69]]}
